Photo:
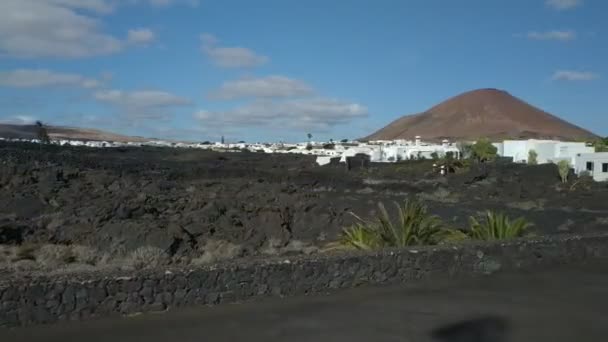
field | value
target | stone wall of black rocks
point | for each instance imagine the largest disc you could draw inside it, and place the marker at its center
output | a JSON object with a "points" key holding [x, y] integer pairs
{"points": [[44, 299]]}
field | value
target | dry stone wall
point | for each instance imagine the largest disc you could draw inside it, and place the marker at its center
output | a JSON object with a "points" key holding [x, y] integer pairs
{"points": [[40, 299]]}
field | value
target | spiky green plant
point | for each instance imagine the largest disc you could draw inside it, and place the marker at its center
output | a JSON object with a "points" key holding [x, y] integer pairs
{"points": [[361, 236], [415, 226], [497, 226]]}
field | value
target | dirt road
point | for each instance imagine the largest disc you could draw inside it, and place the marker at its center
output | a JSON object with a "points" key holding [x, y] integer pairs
{"points": [[562, 304]]}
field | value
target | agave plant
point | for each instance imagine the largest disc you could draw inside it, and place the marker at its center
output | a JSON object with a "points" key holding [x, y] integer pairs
{"points": [[497, 226], [415, 226], [362, 236]]}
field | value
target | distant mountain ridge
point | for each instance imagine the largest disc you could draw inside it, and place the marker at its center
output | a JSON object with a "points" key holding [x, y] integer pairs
{"points": [[487, 113], [57, 132]]}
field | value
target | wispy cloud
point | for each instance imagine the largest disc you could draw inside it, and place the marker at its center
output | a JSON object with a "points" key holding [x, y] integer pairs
{"points": [[561, 5], [54, 28], [142, 104], [264, 87], [141, 36], [35, 78], [67, 28], [167, 3], [315, 114], [552, 35], [18, 120], [230, 57], [572, 75]]}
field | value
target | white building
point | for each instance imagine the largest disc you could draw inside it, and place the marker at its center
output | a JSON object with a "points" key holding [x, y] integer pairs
{"points": [[547, 151], [596, 164], [374, 152]]}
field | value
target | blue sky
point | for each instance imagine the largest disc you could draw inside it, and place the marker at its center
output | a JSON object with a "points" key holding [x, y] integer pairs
{"points": [[279, 69]]}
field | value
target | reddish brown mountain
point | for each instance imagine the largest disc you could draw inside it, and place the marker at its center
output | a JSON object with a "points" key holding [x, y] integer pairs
{"points": [[489, 113], [58, 132]]}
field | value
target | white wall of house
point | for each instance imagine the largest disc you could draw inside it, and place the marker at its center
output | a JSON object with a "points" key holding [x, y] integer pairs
{"points": [[516, 149], [374, 152], [547, 150], [323, 160], [500, 148], [594, 163], [572, 149]]}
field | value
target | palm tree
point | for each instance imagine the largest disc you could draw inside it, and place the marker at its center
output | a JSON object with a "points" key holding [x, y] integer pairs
{"points": [[309, 136]]}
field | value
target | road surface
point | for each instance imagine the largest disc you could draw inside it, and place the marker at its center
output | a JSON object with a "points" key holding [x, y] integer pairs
{"points": [[561, 304]]}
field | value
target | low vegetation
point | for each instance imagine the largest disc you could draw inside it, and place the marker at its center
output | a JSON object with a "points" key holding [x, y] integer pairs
{"points": [[416, 227], [497, 226], [601, 145], [563, 168], [51, 257], [147, 257], [465, 149], [484, 151], [453, 165], [532, 157], [58, 258]]}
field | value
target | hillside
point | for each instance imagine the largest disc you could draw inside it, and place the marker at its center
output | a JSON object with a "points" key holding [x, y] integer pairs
{"points": [[490, 113], [58, 132]]}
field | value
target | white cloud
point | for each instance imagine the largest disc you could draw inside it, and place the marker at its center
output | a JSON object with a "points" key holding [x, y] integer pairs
{"points": [[166, 3], [66, 28], [230, 57], [100, 6], [561, 5], [552, 35], [18, 120], [142, 103], [570, 75], [54, 28], [208, 39], [141, 36], [318, 114], [34, 78], [265, 87]]}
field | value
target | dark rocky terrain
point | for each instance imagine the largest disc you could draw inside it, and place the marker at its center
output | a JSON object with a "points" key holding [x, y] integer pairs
{"points": [[179, 199]]}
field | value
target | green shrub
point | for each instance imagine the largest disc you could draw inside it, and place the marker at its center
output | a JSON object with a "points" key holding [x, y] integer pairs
{"points": [[497, 226], [564, 169], [364, 236], [532, 157], [483, 150], [465, 149], [415, 226]]}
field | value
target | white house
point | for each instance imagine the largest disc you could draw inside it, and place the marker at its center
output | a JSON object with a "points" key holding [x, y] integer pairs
{"points": [[396, 150], [596, 164], [374, 152], [547, 151]]}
